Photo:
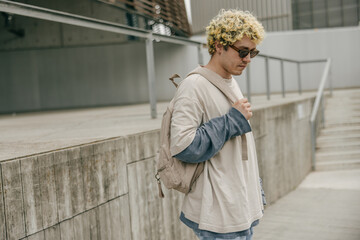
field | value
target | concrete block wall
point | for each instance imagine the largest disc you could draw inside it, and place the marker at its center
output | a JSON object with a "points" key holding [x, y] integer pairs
{"points": [[103, 190], [107, 189], [282, 136]]}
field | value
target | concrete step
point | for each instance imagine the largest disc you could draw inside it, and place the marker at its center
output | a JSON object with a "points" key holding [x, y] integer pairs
{"points": [[343, 98], [335, 112], [337, 165], [335, 146], [341, 139], [342, 107], [342, 117], [329, 123], [337, 155], [338, 145], [342, 104], [340, 130], [342, 101]]}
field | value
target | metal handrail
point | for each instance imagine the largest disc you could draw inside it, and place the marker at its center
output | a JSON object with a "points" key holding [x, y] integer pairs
{"points": [[315, 111], [282, 60]]}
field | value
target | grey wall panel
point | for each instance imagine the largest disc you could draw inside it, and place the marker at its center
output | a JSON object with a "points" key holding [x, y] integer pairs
{"points": [[85, 225], [62, 180], [13, 196], [152, 218], [67, 230], [48, 194], [37, 236], [2, 209], [76, 176], [53, 233], [32, 198]]}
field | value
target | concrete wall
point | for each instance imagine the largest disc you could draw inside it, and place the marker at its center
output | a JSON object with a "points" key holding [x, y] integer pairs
{"points": [[104, 190], [33, 80], [111, 74], [107, 189]]}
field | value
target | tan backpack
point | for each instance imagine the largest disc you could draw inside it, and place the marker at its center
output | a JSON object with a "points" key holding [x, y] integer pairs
{"points": [[176, 174]]}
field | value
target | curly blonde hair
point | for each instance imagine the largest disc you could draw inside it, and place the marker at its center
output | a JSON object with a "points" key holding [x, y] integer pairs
{"points": [[230, 26]]}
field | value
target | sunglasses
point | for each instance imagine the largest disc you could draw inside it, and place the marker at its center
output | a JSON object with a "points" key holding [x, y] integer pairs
{"points": [[243, 53]]}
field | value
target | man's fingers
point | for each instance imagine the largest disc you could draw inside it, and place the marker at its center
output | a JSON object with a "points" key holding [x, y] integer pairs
{"points": [[243, 100], [244, 107], [247, 105]]}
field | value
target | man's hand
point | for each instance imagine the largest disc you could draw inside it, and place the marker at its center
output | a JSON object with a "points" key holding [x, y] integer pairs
{"points": [[244, 107]]}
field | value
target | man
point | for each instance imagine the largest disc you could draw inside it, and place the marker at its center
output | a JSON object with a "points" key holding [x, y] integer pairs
{"points": [[226, 201]]}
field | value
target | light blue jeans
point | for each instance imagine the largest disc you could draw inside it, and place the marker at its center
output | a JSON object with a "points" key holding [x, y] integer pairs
{"points": [[249, 237]]}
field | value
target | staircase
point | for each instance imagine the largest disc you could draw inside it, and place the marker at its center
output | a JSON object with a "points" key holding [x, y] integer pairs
{"points": [[338, 145]]}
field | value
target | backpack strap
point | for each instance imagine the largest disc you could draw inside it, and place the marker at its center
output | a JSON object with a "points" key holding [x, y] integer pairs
{"points": [[218, 82], [173, 81]]}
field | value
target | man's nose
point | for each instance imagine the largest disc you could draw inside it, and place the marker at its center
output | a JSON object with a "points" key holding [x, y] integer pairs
{"points": [[247, 58]]}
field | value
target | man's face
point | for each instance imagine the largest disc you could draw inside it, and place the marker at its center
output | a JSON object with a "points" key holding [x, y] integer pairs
{"points": [[230, 61]]}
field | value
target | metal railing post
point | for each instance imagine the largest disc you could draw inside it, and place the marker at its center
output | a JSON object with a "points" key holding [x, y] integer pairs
{"points": [[299, 77], [322, 111], [330, 82], [200, 56], [151, 74], [313, 145], [248, 83], [267, 77], [282, 78], [319, 103]]}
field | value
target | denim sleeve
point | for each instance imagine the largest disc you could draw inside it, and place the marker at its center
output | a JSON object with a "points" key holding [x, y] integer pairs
{"points": [[262, 192], [211, 136]]}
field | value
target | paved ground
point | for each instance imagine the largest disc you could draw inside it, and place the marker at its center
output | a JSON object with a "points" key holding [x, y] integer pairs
{"points": [[31, 133], [326, 206]]}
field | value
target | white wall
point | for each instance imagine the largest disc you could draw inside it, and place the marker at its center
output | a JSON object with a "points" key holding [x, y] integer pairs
{"points": [[342, 45]]}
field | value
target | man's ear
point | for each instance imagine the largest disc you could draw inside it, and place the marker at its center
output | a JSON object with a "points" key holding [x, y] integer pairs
{"points": [[219, 47]]}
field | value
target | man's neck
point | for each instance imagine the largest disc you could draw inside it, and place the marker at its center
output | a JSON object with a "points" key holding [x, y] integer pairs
{"points": [[213, 66]]}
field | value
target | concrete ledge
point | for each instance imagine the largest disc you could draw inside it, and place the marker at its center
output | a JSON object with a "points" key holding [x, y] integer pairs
{"points": [[106, 189]]}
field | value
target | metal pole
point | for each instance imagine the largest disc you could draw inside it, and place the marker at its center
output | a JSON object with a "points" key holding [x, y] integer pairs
{"points": [[299, 77], [151, 75], [330, 82], [313, 145], [282, 78], [200, 56], [267, 78], [248, 83], [322, 111]]}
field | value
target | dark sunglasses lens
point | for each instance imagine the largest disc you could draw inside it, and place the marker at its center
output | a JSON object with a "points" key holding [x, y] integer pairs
{"points": [[243, 53], [253, 53]]}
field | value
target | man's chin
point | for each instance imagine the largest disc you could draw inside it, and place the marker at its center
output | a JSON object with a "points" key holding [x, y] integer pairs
{"points": [[237, 73]]}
